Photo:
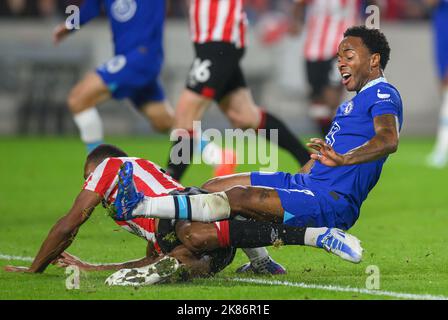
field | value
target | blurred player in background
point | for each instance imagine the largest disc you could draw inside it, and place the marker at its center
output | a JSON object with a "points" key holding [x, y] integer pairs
{"points": [[218, 31], [137, 28], [324, 22], [439, 156]]}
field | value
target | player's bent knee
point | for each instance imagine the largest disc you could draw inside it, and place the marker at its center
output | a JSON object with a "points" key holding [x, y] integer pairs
{"points": [[213, 185], [190, 237], [240, 122], [239, 197], [163, 124], [193, 241], [73, 102]]}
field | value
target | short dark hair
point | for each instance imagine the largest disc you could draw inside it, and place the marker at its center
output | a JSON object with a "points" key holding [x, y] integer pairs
{"points": [[104, 151], [374, 40]]}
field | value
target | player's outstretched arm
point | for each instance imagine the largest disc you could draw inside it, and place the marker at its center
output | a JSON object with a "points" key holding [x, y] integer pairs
{"points": [[60, 33], [384, 142], [89, 10], [66, 259], [63, 233]]}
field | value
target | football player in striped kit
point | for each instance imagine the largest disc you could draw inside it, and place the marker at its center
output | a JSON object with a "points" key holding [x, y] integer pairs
{"points": [[324, 22], [184, 241]]}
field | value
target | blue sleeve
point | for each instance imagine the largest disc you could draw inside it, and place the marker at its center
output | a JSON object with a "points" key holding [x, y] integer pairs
{"points": [[89, 10], [385, 101], [380, 108]]}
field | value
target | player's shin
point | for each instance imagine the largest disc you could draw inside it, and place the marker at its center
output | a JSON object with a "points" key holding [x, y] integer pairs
{"points": [[254, 234], [90, 127], [181, 153], [201, 207]]}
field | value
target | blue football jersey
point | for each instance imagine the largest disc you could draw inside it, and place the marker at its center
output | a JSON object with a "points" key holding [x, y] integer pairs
{"points": [[440, 25], [134, 23], [440, 19], [352, 127]]}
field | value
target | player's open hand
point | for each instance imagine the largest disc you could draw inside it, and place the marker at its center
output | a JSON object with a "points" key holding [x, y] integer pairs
{"points": [[325, 153], [16, 269], [66, 259], [59, 33]]}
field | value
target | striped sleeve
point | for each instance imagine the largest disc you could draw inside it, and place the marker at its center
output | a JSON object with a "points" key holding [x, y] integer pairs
{"points": [[104, 176]]}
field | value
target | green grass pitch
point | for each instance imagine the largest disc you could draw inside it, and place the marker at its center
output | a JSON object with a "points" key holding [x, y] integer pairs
{"points": [[402, 225]]}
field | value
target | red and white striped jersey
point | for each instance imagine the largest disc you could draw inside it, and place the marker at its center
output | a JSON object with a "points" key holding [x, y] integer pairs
{"points": [[326, 23], [149, 179], [218, 20]]}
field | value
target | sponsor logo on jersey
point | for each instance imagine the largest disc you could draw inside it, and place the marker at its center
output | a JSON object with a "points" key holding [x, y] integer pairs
{"points": [[123, 10], [382, 95]]}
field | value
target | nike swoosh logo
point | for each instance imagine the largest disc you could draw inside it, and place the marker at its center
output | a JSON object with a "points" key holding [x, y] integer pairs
{"points": [[383, 95]]}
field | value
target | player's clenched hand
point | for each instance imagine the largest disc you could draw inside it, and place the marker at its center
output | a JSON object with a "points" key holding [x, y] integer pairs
{"points": [[325, 153], [59, 33], [16, 269]]}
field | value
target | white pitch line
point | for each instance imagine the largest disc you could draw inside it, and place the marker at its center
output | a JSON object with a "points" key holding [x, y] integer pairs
{"points": [[16, 258], [302, 285]]}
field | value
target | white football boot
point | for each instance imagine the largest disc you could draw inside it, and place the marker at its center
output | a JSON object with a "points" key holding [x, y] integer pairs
{"points": [[144, 276]]}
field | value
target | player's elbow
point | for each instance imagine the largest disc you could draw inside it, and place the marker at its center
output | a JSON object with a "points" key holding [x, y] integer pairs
{"points": [[392, 146], [65, 228]]}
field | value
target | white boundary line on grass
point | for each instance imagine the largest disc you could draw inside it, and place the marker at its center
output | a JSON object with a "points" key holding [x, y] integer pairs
{"points": [[16, 258], [397, 295]]}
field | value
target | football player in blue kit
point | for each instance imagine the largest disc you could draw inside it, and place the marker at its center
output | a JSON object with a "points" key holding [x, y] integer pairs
{"points": [[439, 156], [328, 192], [133, 73]]}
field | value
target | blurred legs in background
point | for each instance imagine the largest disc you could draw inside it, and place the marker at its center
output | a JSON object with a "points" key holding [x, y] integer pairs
{"points": [[82, 101], [92, 91], [439, 156], [327, 92]]}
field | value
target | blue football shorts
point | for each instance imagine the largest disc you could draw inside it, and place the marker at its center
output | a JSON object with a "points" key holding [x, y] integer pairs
{"points": [[307, 206], [135, 76]]}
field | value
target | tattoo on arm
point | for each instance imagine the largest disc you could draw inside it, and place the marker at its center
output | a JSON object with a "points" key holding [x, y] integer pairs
{"points": [[382, 144]]}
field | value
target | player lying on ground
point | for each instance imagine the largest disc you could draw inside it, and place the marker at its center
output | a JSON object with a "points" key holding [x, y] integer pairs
{"points": [[100, 170], [330, 189], [203, 247]]}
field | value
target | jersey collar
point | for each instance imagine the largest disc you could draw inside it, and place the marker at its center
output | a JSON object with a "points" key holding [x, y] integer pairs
{"points": [[373, 82]]}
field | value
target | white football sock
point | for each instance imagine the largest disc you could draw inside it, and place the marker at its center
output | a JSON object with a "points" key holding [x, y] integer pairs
{"points": [[90, 126], [441, 147], [256, 254], [204, 207], [311, 235]]}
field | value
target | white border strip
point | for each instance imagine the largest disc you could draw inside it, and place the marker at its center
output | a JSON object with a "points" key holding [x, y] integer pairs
{"points": [[16, 258], [302, 285], [396, 295]]}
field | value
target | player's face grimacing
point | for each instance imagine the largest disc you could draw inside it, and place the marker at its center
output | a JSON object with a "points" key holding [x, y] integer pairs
{"points": [[356, 64]]}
